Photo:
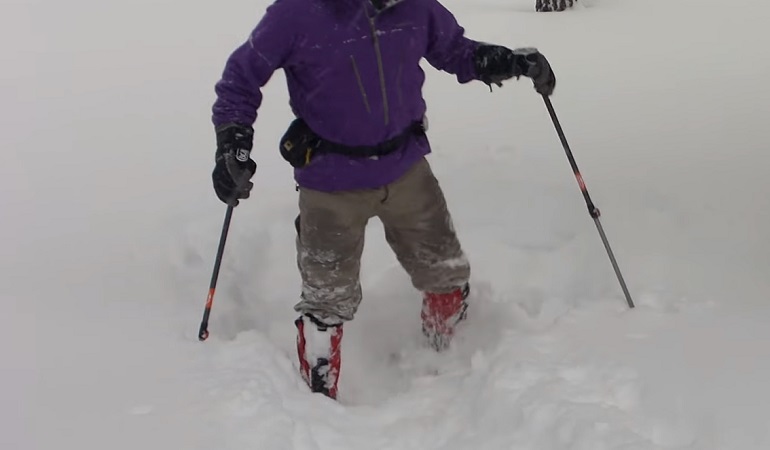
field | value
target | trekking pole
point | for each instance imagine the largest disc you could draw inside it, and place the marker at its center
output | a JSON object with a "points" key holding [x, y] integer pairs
{"points": [[203, 333], [592, 209]]}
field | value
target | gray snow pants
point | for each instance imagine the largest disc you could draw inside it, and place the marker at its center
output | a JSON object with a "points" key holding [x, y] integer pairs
{"points": [[330, 241]]}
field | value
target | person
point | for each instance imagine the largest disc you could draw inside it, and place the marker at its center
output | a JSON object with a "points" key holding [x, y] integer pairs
{"points": [[358, 146]]}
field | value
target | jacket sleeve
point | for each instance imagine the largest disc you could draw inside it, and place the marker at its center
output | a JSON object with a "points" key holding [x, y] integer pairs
{"points": [[251, 65], [448, 48]]}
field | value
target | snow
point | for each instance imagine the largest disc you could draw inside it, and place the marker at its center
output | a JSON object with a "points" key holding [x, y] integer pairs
{"points": [[110, 230]]}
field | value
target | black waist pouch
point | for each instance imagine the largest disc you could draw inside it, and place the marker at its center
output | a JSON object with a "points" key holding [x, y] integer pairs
{"points": [[300, 144]]}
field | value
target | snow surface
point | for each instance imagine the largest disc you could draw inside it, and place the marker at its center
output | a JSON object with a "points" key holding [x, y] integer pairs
{"points": [[110, 226]]}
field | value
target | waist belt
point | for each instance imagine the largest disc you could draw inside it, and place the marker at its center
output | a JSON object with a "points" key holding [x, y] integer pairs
{"points": [[299, 144]]}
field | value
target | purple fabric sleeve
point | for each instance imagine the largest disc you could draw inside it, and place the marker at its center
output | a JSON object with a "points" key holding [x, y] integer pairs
{"points": [[251, 65], [448, 48]]}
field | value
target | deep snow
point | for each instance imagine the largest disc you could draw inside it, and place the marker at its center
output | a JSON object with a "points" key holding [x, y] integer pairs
{"points": [[110, 229]]}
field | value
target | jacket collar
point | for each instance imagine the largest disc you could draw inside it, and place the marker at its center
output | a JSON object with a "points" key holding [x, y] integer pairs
{"points": [[382, 5]]}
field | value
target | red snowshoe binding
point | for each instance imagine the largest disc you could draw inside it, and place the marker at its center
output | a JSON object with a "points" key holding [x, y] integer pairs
{"points": [[440, 314], [318, 347]]}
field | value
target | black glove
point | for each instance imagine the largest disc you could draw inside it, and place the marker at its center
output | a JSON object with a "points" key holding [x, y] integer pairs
{"points": [[495, 63], [234, 167], [538, 69]]}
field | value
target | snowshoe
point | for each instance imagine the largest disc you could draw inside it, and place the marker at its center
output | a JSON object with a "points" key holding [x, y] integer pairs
{"points": [[441, 313], [318, 348]]}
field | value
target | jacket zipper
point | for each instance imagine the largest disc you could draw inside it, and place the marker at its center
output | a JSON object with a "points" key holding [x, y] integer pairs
{"points": [[360, 84], [380, 68], [398, 83]]}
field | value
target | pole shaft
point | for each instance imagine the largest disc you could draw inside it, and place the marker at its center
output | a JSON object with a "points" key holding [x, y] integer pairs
{"points": [[592, 209], [203, 332], [614, 262]]}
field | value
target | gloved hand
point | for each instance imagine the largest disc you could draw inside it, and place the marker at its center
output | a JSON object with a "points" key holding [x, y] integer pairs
{"points": [[495, 63], [538, 69], [234, 166]]}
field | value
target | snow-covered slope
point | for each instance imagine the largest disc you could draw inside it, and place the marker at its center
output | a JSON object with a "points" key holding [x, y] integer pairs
{"points": [[110, 229]]}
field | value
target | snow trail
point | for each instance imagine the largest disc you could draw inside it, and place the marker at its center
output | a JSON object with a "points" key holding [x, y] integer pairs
{"points": [[111, 227]]}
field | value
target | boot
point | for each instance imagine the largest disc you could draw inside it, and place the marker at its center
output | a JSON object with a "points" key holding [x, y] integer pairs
{"points": [[318, 348], [440, 314]]}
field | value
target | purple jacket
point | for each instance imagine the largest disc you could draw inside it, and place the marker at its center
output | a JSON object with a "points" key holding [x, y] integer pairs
{"points": [[353, 75]]}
